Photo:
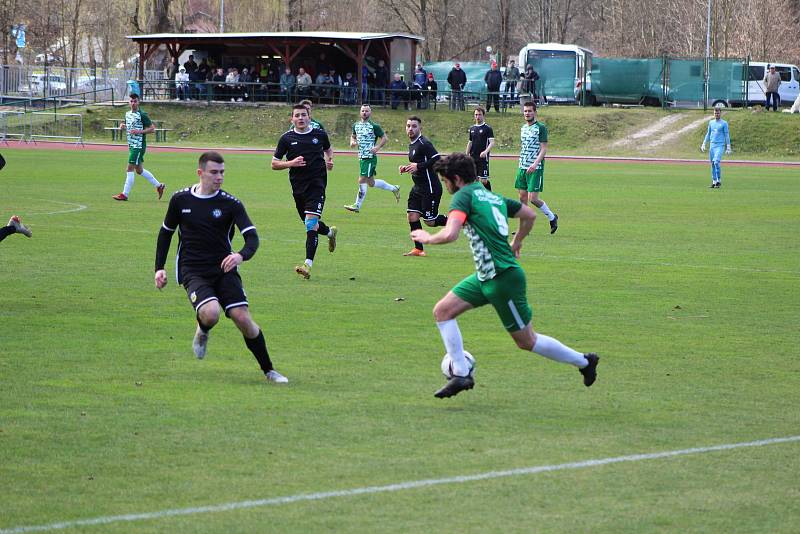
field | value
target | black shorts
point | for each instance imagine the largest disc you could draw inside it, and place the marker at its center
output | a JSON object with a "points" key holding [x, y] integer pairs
{"points": [[481, 168], [226, 288], [422, 201], [311, 201]]}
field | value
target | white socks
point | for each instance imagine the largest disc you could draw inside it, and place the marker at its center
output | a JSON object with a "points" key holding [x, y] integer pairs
{"points": [[555, 350], [361, 195], [454, 344], [129, 177], [150, 178], [128, 183], [549, 214], [381, 184]]}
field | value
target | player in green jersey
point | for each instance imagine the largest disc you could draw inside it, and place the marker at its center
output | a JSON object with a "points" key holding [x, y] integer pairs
{"points": [[138, 125], [530, 175], [369, 138], [499, 280]]}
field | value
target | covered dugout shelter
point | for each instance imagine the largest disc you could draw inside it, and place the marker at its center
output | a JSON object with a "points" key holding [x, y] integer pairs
{"points": [[343, 51]]}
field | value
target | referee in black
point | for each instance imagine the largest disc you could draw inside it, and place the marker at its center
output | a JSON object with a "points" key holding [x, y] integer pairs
{"points": [[424, 197], [206, 266], [309, 157], [481, 141]]}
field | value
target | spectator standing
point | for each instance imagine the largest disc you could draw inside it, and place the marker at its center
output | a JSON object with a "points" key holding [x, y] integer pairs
{"points": [[190, 65], [203, 75], [231, 82], [431, 88], [772, 81], [493, 79], [531, 76], [303, 82], [245, 79], [182, 85], [420, 75], [399, 91], [381, 82], [511, 77], [349, 89], [287, 83], [457, 79], [170, 72]]}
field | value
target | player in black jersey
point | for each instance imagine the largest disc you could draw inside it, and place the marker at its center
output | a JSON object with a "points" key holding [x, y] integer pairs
{"points": [[424, 197], [206, 266], [309, 157], [481, 141]]}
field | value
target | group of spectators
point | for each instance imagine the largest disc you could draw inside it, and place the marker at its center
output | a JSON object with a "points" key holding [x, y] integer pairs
{"points": [[202, 81], [199, 81]]}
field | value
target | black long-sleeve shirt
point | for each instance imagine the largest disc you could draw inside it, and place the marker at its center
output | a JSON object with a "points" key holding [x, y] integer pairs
{"points": [[424, 154], [205, 230]]}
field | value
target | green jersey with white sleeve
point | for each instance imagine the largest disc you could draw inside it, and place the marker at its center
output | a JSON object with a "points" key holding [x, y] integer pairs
{"points": [[486, 227]]}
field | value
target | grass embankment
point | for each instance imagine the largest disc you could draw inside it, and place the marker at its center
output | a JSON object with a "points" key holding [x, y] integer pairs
{"points": [[573, 130]]}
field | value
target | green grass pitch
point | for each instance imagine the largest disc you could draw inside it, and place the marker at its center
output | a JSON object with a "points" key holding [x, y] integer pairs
{"points": [[691, 296]]}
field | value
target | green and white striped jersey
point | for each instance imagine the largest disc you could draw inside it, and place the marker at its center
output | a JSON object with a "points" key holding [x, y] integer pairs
{"points": [[531, 138], [136, 120], [367, 133]]}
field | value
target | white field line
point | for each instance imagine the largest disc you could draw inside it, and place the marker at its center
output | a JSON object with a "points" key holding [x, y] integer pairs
{"points": [[400, 486], [78, 208]]}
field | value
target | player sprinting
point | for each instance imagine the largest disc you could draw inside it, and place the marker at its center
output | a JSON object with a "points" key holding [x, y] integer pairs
{"points": [[479, 146], [207, 268], [424, 197], [138, 125], [719, 137], [499, 280], [530, 175], [369, 137], [309, 157], [14, 226]]}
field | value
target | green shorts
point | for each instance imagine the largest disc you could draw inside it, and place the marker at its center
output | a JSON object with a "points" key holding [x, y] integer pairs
{"points": [[136, 155], [506, 292], [532, 182], [368, 166]]}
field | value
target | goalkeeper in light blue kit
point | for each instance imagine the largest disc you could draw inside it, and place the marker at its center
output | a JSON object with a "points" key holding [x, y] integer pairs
{"points": [[720, 139]]}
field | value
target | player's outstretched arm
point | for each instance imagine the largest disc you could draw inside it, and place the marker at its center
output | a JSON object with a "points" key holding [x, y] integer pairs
{"points": [[455, 220]]}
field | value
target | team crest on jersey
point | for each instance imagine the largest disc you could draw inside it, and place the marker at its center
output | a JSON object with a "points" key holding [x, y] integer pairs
{"points": [[217, 213], [193, 297], [314, 140]]}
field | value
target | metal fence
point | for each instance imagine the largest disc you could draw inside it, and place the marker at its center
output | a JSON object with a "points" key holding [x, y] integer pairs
{"points": [[38, 81], [32, 126]]}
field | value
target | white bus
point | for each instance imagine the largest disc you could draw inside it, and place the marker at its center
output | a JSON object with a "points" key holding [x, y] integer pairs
{"points": [[562, 70]]}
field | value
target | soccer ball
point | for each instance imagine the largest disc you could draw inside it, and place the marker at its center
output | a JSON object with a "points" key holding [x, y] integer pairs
{"points": [[447, 365]]}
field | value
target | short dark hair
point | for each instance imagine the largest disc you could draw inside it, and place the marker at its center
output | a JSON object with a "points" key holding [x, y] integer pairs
{"points": [[456, 163], [483, 111], [211, 155], [299, 106], [529, 105], [415, 118], [365, 104], [133, 95]]}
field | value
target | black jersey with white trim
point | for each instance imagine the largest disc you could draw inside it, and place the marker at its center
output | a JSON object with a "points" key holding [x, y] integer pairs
{"points": [[424, 154], [205, 227], [312, 146], [479, 135]]}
